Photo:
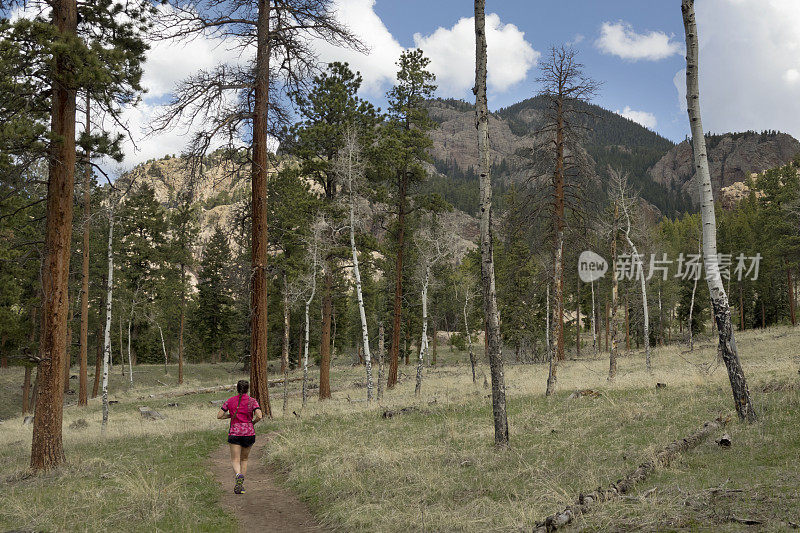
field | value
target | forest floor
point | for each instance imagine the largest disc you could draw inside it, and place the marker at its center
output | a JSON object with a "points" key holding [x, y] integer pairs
{"points": [[434, 468]]}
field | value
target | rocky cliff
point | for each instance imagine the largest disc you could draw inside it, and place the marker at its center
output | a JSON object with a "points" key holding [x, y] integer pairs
{"points": [[732, 158]]}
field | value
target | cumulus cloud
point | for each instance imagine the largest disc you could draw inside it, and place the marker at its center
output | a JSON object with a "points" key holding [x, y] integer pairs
{"points": [[749, 65], [645, 118], [378, 65], [620, 39], [451, 51]]}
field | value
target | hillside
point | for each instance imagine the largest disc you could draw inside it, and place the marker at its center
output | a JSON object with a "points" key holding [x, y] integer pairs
{"points": [[611, 140], [732, 158], [658, 168]]}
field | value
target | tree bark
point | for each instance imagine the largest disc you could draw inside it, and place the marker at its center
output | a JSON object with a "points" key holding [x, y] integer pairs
{"points": [[83, 377], [719, 299], [26, 390], [285, 348], [612, 358], [98, 363], [109, 300], [594, 324], [469, 343], [578, 319], [183, 321], [46, 446], [394, 351], [380, 360], [791, 296], [357, 274], [70, 321], [643, 284], [307, 306], [661, 459], [423, 342], [325, 343], [258, 317], [491, 314]]}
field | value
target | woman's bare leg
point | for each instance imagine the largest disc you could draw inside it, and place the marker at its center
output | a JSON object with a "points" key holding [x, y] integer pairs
{"points": [[236, 461], [243, 460]]}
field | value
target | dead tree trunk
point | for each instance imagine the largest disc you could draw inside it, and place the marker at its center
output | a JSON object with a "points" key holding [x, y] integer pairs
{"points": [[46, 446], [491, 313], [719, 299], [612, 358], [663, 458]]}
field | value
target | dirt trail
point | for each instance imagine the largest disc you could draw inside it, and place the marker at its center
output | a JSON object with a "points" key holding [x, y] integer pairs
{"points": [[265, 506]]}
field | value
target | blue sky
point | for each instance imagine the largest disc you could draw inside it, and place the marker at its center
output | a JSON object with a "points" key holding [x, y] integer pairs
{"points": [[639, 85], [750, 58]]}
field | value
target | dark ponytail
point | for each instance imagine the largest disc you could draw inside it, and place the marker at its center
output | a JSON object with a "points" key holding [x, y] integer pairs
{"points": [[242, 386]]}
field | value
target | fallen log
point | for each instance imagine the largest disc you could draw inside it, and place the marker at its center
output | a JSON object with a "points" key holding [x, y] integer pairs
{"points": [[585, 502]]}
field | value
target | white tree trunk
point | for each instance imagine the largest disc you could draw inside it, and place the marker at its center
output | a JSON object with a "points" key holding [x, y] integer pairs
{"points": [[719, 298], [362, 313], [109, 295], [308, 304], [469, 342], [380, 360], [423, 342], [594, 323], [130, 365], [163, 346], [491, 313], [645, 307], [547, 325]]}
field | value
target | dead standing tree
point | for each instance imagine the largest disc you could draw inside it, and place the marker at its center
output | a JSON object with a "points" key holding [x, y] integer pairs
{"points": [[432, 246], [351, 170], [627, 202], [490, 311], [719, 298], [564, 86], [234, 99]]}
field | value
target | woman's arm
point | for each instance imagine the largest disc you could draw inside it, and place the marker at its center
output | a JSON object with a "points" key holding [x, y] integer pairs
{"points": [[222, 414], [257, 415]]}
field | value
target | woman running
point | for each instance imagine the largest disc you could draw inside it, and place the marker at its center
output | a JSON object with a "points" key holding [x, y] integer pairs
{"points": [[243, 411]]}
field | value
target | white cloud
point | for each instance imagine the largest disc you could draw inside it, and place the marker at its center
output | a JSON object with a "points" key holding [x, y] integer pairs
{"points": [[620, 39], [791, 75], [578, 39], [378, 66], [452, 54], [749, 65], [645, 118]]}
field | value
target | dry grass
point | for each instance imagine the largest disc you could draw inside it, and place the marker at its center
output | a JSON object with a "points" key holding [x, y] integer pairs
{"points": [[435, 469]]}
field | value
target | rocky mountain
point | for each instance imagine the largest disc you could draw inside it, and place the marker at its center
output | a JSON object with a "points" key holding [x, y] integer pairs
{"points": [[732, 158], [658, 168]]}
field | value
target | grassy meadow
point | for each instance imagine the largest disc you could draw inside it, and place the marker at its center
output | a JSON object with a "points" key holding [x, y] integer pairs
{"points": [[434, 469]]}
